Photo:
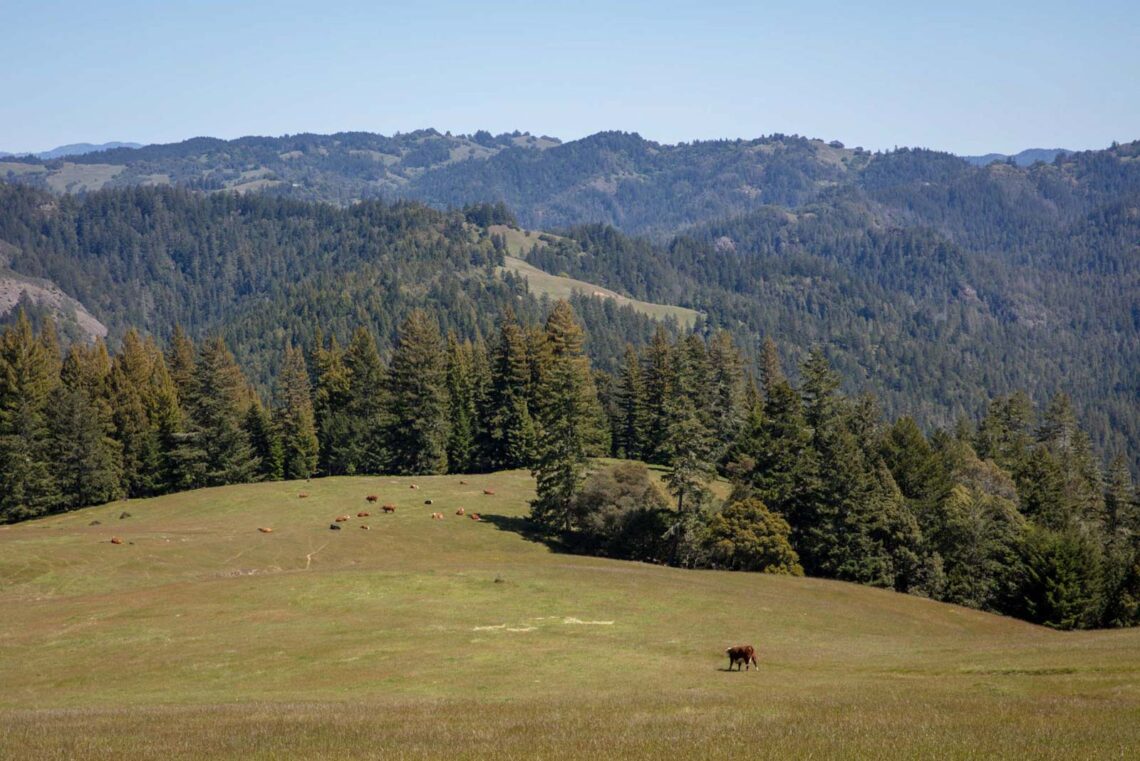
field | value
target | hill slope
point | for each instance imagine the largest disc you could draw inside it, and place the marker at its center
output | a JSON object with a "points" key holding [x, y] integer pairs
{"points": [[201, 637]]}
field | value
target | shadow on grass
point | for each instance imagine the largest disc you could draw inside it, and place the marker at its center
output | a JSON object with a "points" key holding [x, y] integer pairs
{"points": [[530, 531]]}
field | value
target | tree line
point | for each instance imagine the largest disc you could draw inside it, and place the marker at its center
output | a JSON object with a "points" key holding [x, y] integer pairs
{"points": [[1013, 515]]}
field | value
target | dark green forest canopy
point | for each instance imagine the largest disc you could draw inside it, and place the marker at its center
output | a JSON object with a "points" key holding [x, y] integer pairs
{"points": [[262, 271], [930, 282]]}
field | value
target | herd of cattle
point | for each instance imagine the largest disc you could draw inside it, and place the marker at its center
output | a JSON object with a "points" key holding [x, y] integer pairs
{"points": [[388, 508]]}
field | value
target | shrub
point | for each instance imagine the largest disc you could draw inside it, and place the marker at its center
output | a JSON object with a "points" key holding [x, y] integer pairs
{"points": [[622, 513], [747, 536]]}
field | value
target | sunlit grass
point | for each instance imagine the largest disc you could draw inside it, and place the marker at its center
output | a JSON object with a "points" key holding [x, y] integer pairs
{"points": [[200, 637]]}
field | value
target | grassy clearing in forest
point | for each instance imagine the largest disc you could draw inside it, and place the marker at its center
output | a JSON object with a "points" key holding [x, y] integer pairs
{"points": [[200, 637]]}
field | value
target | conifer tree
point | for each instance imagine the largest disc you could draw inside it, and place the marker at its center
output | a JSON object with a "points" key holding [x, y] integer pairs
{"points": [[1004, 434], [630, 440], [1122, 508], [659, 378], [461, 444], [28, 375], [293, 417], [1083, 488], [265, 440], [419, 412], [368, 401], [219, 451], [688, 445], [509, 428], [727, 392], [779, 463], [567, 420], [180, 361], [164, 411], [130, 390], [86, 459], [771, 372], [330, 411]]}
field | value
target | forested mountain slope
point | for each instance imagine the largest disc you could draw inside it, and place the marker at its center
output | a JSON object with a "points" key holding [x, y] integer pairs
{"points": [[263, 271], [934, 283]]}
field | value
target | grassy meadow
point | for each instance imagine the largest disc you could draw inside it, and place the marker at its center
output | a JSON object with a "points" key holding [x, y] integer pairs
{"points": [[520, 242], [201, 637]]}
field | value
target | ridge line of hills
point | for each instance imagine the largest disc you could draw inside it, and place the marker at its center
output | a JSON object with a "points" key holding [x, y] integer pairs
{"points": [[932, 282]]}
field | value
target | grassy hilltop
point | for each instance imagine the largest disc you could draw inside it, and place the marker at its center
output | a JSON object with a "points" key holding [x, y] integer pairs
{"points": [[201, 637]]}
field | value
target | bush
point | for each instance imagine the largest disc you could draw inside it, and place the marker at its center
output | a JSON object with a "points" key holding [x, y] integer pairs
{"points": [[747, 536], [622, 513]]}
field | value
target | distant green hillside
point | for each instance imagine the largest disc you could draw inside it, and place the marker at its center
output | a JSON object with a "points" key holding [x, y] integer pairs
{"points": [[520, 242], [201, 637]]}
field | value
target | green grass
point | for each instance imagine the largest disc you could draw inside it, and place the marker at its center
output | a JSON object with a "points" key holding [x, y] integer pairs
{"points": [[519, 244], [200, 637], [558, 287], [76, 178]]}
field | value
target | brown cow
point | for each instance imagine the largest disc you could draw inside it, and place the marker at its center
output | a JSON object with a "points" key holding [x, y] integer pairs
{"points": [[437, 516], [265, 530], [341, 519], [302, 495], [364, 526], [372, 498], [116, 540], [462, 482], [475, 517], [741, 654], [413, 486], [460, 511], [489, 492], [389, 508], [362, 514]]}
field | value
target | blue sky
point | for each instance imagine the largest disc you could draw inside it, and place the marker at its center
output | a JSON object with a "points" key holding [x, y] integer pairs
{"points": [[968, 77]]}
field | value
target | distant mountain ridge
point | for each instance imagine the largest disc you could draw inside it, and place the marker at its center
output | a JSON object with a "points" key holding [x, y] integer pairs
{"points": [[931, 281], [73, 149], [1028, 157]]}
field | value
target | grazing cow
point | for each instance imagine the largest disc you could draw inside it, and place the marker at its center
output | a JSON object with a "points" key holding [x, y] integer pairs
{"points": [[362, 514], [372, 498], [124, 514], [413, 486], [302, 495], [341, 518], [460, 511], [265, 530], [95, 523], [741, 654], [389, 508], [364, 526], [462, 482], [475, 517], [428, 502], [489, 491], [334, 526], [116, 540], [437, 516]]}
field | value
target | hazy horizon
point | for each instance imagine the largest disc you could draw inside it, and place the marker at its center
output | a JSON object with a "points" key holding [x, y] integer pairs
{"points": [[26, 152]]}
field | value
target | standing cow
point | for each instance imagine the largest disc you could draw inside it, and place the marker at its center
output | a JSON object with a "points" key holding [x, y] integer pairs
{"points": [[741, 654]]}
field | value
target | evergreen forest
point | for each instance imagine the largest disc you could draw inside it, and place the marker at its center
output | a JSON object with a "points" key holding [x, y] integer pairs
{"points": [[1013, 514]]}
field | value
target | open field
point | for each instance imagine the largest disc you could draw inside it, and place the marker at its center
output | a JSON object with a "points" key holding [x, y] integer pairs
{"points": [[558, 287], [76, 178], [200, 637]]}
